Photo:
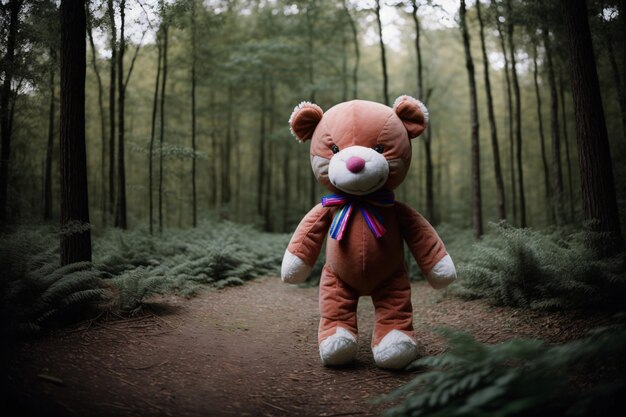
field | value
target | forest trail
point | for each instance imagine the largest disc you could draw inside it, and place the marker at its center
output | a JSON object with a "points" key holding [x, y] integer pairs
{"points": [[242, 351]]}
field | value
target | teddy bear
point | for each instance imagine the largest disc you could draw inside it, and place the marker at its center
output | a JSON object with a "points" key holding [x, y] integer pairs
{"points": [[361, 151]]}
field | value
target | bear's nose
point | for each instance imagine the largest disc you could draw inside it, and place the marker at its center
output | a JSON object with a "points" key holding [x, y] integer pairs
{"points": [[355, 164]]}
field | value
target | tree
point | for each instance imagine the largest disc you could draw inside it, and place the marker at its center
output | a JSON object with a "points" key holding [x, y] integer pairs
{"points": [[75, 233], [155, 102], [383, 59], [194, 206], [120, 209], [594, 155], [477, 216], [47, 210], [6, 104], [500, 199], [517, 117], [112, 84], [557, 176], [570, 184], [509, 102], [357, 53]]}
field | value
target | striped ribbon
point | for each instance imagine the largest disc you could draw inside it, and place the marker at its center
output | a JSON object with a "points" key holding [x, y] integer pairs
{"points": [[365, 204]]}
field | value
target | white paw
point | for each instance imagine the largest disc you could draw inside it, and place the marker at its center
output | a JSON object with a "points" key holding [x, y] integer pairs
{"points": [[338, 349], [442, 274], [395, 351], [293, 269]]}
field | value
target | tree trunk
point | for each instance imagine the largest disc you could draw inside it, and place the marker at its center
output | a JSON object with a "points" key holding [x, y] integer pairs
{"points": [[509, 99], [5, 105], [162, 124], [286, 189], [357, 53], [518, 122], [542, 140], [213, 159], [94, 64], [310, 40], [477, 218], [155, 103], [226, 149], [120, 211], [594, 154], [112, 83], [194, 207], [383, 59], [47, 210], [261, 165], [621, 92], [570, 184], [500, 198], [75, 232]]}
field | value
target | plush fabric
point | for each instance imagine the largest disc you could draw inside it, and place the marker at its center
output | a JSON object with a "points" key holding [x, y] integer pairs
{"points": [[368, 149]]}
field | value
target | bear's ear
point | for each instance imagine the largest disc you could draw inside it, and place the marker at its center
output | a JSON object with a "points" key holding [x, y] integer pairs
{"points": [[304, 120], [413, 113]]}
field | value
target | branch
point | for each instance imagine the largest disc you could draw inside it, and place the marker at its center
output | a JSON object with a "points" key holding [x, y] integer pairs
{"points": [[132, 63]]}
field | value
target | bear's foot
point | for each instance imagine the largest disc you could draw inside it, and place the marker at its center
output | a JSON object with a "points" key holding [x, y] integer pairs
{"points": [[395, 351], [338, 349]]}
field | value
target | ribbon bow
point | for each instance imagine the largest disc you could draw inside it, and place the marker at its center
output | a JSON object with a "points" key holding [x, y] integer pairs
{"points": [[364, 204]]}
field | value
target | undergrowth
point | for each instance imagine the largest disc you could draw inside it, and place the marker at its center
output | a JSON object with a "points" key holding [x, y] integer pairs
{"points": [[520, 377], [553, 269]]}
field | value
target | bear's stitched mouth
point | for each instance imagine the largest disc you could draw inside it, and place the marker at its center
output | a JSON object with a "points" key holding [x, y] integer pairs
{"points": [[359, 191]]}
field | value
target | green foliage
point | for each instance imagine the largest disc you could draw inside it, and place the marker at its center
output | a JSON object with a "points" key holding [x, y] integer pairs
{"points": [[35, 291], [520, 377], [554, 269], [215, 254]]}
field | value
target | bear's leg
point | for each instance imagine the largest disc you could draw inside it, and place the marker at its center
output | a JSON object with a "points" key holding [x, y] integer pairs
{"points": [[393, 342], [338, 330]]}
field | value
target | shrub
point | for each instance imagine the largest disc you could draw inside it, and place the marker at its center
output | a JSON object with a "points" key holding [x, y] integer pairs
{"points": [[553, 269], [521, 377]]}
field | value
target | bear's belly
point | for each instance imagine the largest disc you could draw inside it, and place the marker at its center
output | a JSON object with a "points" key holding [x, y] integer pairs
{"points": [[363, 261]]}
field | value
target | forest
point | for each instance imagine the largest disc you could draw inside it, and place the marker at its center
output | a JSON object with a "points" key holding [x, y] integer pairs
{"points": [[150, 184]]}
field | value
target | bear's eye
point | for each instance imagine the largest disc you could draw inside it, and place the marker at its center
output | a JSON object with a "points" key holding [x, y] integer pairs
{"points": [[379, 148], [334, 148]]}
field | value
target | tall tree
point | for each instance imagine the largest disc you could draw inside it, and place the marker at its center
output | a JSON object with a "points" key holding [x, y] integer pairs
{"points": [[430, 204], [47, 210], [557, 172], [383, 58], [94, 65], [509, 107], [194, 205], [477, 216], [75, 235], [120, 210], [155, 105], [357, 53], [164, 28], [500, 199], [568, 160], [517, 117], [15, 7], [542, 139], [112, 84], [594, 154]]}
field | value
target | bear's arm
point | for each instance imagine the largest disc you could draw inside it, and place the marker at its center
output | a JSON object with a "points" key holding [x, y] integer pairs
{"points": [[426, 246], [305, 245]]}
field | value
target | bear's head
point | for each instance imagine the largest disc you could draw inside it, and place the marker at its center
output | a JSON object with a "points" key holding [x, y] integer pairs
{"points": [[359, 147]]}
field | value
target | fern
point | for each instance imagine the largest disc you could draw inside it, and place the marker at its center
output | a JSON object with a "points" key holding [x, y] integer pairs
{"points": [[552, 269], [521, 377]]}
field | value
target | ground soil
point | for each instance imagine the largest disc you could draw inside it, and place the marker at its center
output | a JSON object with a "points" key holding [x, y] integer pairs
{"points": [[241, 351]]}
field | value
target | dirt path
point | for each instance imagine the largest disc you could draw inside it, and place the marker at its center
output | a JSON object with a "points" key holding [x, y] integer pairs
{"points": [[247, 351]]}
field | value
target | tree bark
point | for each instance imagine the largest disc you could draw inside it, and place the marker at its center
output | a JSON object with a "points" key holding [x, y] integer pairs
{"points": [[311, 20], [477, 220], [94, 64], [155, 104], [594, 154], [261, 165], [383, 58], [47, 210], [509, 99], [518, 121], [75, 233], [194, 205], [226, 149], [112, 84], [542, 140], [500, 198], [120, 210], [5, 105]]}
